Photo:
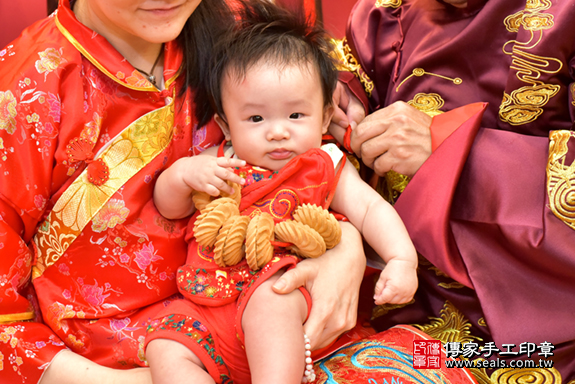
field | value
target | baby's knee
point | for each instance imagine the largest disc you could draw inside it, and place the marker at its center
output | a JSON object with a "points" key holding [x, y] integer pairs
{"points": [[162, 350]]}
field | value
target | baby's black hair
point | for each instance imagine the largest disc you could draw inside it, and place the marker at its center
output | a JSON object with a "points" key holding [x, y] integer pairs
{"points": [[265, 31]]}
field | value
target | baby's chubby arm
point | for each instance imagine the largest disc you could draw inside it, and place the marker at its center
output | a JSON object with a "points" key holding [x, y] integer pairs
{"points": [[383, 229], [204, 173]]}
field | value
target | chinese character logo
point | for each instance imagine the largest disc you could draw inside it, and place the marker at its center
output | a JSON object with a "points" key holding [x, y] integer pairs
{"points": [[427, 354]]}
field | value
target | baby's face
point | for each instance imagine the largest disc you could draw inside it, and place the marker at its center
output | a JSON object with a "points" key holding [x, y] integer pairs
{"points": [[274, 113]]}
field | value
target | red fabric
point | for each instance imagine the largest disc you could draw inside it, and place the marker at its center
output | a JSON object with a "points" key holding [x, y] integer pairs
{"points": [[434, 240], [98, 297], [443, 125], [219, 295], [355, 87]]}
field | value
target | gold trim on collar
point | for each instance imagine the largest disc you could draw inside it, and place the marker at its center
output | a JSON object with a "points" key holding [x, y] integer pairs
{"points": [[97, 64]]}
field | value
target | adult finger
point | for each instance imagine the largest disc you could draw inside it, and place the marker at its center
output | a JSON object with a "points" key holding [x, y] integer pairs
{"points": [[355, 111], [339, 118], [337, 132], [372, 126], [292, 279]]}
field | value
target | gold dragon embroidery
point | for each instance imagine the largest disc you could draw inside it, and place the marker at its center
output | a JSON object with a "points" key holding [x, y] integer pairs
{"points": [[525, 105], [349, 63], [561, 178], [387, 3]]}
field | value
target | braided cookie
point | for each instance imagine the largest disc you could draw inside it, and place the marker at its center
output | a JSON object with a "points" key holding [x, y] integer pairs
{"points": [[260, 234], [215, 214], [322, 221], [237, 195], [230, 241], [306, 241], [201, 200]]}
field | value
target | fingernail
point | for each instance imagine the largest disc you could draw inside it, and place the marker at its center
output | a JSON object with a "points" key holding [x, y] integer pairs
{"points": [[343, 123], [280, 285], [242, 181]]}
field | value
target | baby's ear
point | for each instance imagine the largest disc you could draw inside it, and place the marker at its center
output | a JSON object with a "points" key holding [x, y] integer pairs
{"points": [[328, 111], [223, 125]]}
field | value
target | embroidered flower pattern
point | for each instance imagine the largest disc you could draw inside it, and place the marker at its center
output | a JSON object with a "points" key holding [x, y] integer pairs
{"points": [[112, 214], [91, 130], [93, 294], [55, 106], [120, 326], [146, 256], [136, 79], [50, 59], [8, 111], [57, 313], [39, 202]]}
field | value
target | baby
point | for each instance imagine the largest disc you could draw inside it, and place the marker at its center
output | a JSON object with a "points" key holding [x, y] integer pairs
{"points": [[272, 84]]}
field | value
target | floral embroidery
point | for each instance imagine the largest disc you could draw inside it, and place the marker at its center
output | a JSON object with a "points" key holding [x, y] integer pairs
{"points": [[136, 79], [120, 326], [254, 174], [64, 269], [57, 314], [39, 202], [91, 130], [103, 83], [112, 214], [196, 331], [199, 137], [50, 59], [55, 107], [93, 294], [6, 52], [8, 111], [75, 343], [219, 284], [146, 256]]}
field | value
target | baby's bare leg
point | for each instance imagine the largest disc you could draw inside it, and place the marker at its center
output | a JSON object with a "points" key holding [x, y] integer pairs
{"points": [[173, 363], [273, 328], [68, 367]]}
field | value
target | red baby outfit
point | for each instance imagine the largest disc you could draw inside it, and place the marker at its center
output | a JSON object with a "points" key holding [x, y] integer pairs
{"points": [[210, 322]]}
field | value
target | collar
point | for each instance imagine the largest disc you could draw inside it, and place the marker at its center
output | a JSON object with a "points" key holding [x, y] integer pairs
{"points": [[107, 59]]}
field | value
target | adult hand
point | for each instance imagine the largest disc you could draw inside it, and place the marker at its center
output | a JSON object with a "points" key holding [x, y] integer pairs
{"points": [[333, 281], [348, 111], [396, 138]]}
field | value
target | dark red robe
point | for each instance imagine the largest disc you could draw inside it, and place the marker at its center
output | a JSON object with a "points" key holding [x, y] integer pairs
{"points": [[481, 209]]}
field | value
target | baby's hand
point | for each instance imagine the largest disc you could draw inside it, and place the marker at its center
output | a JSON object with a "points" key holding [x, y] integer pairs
{"points": [[397, 283], [209, 174]]}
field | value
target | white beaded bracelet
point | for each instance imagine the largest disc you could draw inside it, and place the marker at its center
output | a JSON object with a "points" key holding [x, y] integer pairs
{"points": [[309, 374]]}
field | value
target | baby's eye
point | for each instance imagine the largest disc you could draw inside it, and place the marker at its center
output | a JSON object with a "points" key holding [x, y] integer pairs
{"points": [[256, 119], [296, 115]]}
